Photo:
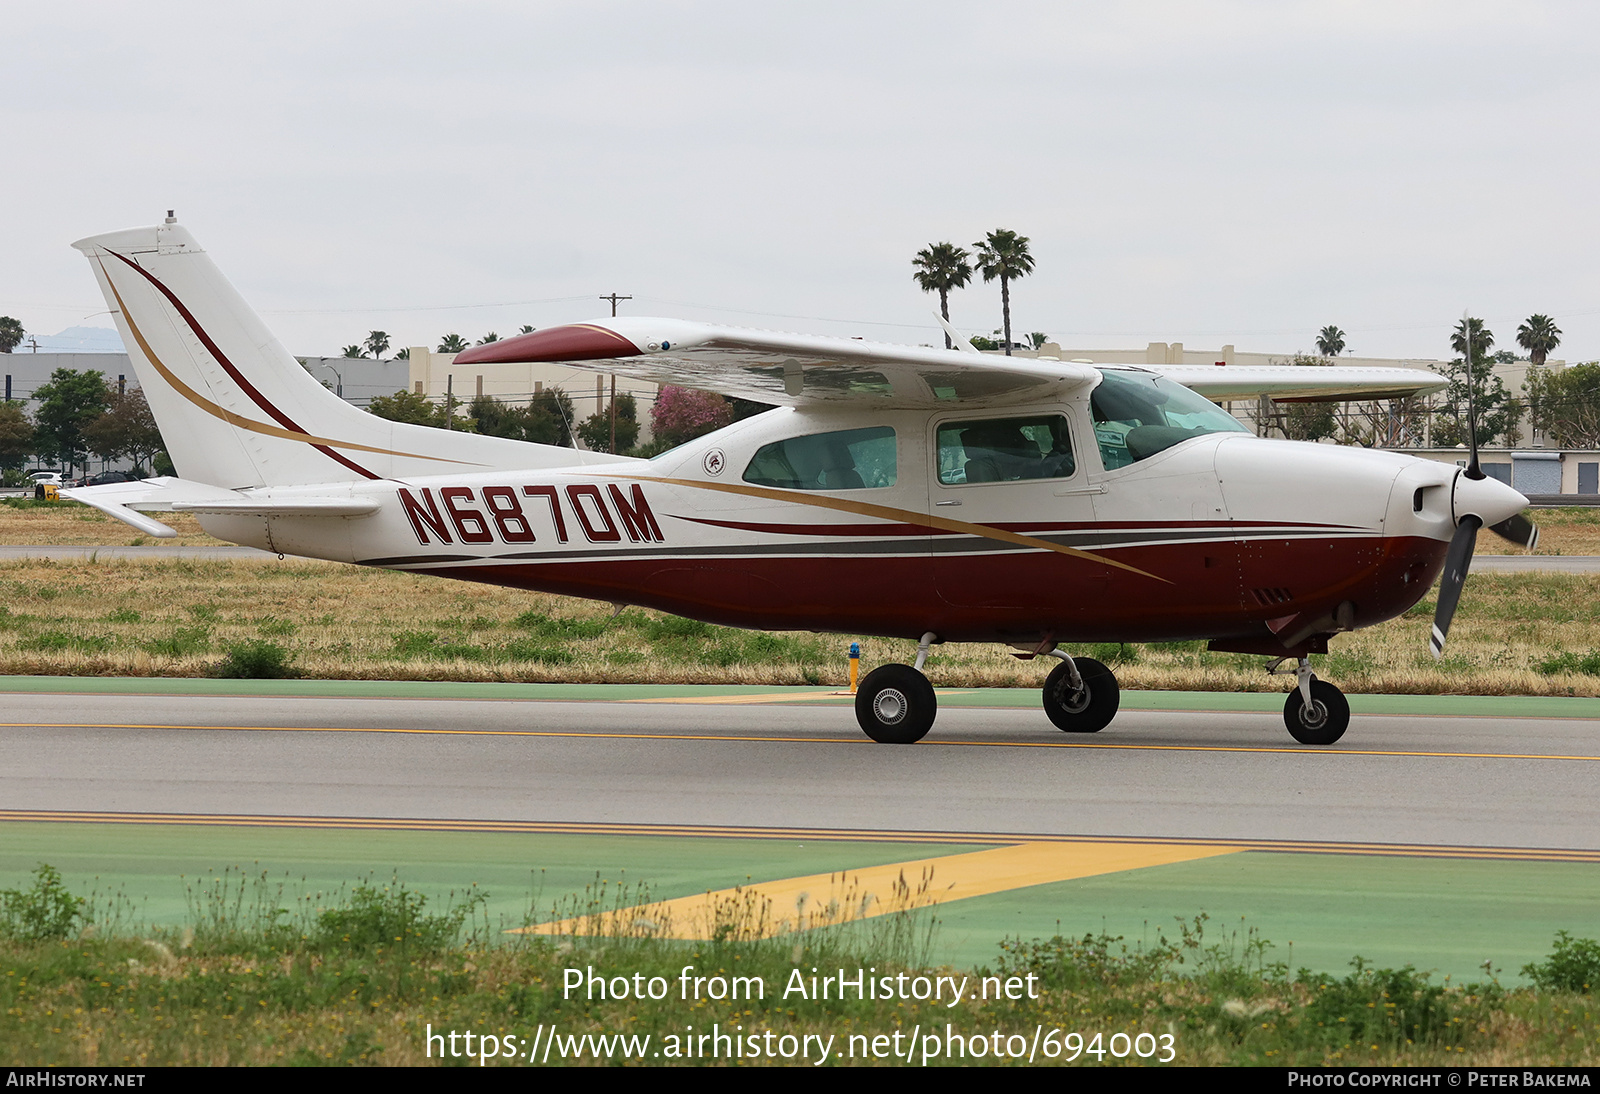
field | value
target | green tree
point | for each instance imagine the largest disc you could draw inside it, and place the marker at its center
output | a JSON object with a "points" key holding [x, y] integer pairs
{"points": [[1307, 421], [127, 428], [541, 420], [1330, 341], [940, 268], [67, 404], [352, 351], [1539, 335], [414, 409], [490, 337], [1003, 256], [16, 436], [11, 333], [1038, 338], [452, 343], [526, 329], [595, 430], [1495, 409], [1566, 404], [377, 343]]}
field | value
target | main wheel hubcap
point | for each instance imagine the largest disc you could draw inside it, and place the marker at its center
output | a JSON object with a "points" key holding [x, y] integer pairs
{"points": [[890, 706], [1313, 716]]}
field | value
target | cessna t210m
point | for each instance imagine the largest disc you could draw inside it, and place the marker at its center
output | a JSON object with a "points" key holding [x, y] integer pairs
{"points": [[938, 495]]}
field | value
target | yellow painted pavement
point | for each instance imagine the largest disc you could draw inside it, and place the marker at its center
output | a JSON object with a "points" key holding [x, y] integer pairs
{"points": [[767, 908]]}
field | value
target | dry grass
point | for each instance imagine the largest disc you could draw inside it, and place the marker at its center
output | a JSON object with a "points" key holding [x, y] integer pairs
{"points": [[68, 524], [1515, 634], [1572, 531]]}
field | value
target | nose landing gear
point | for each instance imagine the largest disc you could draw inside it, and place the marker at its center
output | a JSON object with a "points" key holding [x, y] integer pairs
{"points": [[1081, 694]]}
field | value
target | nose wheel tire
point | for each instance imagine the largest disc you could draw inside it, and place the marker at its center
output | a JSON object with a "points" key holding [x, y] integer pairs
{"points": [[895, 705], [1088, 709], [1324, 721]]}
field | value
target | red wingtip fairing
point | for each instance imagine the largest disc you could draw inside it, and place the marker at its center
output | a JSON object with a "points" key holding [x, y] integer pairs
{"points": [[575, 342]]}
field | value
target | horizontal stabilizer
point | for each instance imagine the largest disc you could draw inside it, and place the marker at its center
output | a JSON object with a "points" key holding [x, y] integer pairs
{"points": [[123, 500]]}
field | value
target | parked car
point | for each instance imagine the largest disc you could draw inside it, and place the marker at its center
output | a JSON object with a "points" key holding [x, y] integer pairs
{"points": [[38, 477], [105, 477]]}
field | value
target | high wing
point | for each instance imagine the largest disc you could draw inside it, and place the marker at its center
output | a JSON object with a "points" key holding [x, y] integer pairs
{"points": [[804, 369], [1302, 383], [786, 369]]}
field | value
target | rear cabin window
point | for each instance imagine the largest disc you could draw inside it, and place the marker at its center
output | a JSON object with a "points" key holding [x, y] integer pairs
{"points": [[848, 459], [1005, 450]]}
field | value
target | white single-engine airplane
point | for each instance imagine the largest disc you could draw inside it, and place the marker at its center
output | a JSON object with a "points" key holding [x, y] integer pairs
{"points": [[934, 494]]}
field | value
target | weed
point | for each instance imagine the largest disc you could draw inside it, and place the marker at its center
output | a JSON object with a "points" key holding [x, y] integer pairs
{"points": [[1573, 965], [1381, 1006], [63, 642], [255, 659], [1571, 661], [557, 627], [393, 916], [124, 615], [40, 914], [182, 642]]}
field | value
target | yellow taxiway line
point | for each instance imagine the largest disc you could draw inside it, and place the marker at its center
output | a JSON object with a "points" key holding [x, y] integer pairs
{"points": [[850, 741]]}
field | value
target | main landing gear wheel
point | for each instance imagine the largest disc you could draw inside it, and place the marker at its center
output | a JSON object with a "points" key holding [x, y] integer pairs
{"points": [[895, 705], [1088, 709], [1324, 721]]}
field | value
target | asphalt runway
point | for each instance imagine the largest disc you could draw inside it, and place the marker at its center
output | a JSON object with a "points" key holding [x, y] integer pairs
{"points": [[1428, 780]]}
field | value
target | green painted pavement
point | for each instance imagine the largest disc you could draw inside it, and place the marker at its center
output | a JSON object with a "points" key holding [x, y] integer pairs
{"points": [[1492, 706], [1447, 916], [156, 870]]}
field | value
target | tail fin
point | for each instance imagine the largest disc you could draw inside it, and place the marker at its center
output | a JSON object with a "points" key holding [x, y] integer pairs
{"points": [[236, 410]]}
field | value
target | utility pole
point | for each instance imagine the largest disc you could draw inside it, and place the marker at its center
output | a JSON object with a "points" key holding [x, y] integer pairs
{"points": [[613, 297]]}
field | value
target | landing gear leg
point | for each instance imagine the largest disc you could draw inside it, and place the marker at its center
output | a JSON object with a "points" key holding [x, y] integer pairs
{"points": [[1081, 694], [895, 704], [1316, 712]]}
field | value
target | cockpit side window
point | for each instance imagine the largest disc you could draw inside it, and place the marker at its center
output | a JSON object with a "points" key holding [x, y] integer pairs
{"points": [[1005, 450], [1137, 414], [848, 459]]}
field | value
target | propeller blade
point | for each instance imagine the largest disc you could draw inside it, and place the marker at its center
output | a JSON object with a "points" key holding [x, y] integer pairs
{"points": [[1456, 564], [1519, 530]]}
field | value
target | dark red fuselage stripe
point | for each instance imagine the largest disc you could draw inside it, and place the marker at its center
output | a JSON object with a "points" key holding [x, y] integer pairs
{"points": [[228, 366]]}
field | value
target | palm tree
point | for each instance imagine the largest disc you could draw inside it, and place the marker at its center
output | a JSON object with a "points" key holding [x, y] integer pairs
{"points": [[1482, 340], [527, 329], [1539, 335], [1004, 254], [1330, 342], [352, 351], [377, 342], [453, 343], [940, 268], [490, 337]]}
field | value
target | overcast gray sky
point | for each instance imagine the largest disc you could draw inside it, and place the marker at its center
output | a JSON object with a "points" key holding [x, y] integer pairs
{"points": [[1196, 172]]}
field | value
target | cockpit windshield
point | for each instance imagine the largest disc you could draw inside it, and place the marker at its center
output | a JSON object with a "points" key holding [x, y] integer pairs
{"points": [[1137, 414]]}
